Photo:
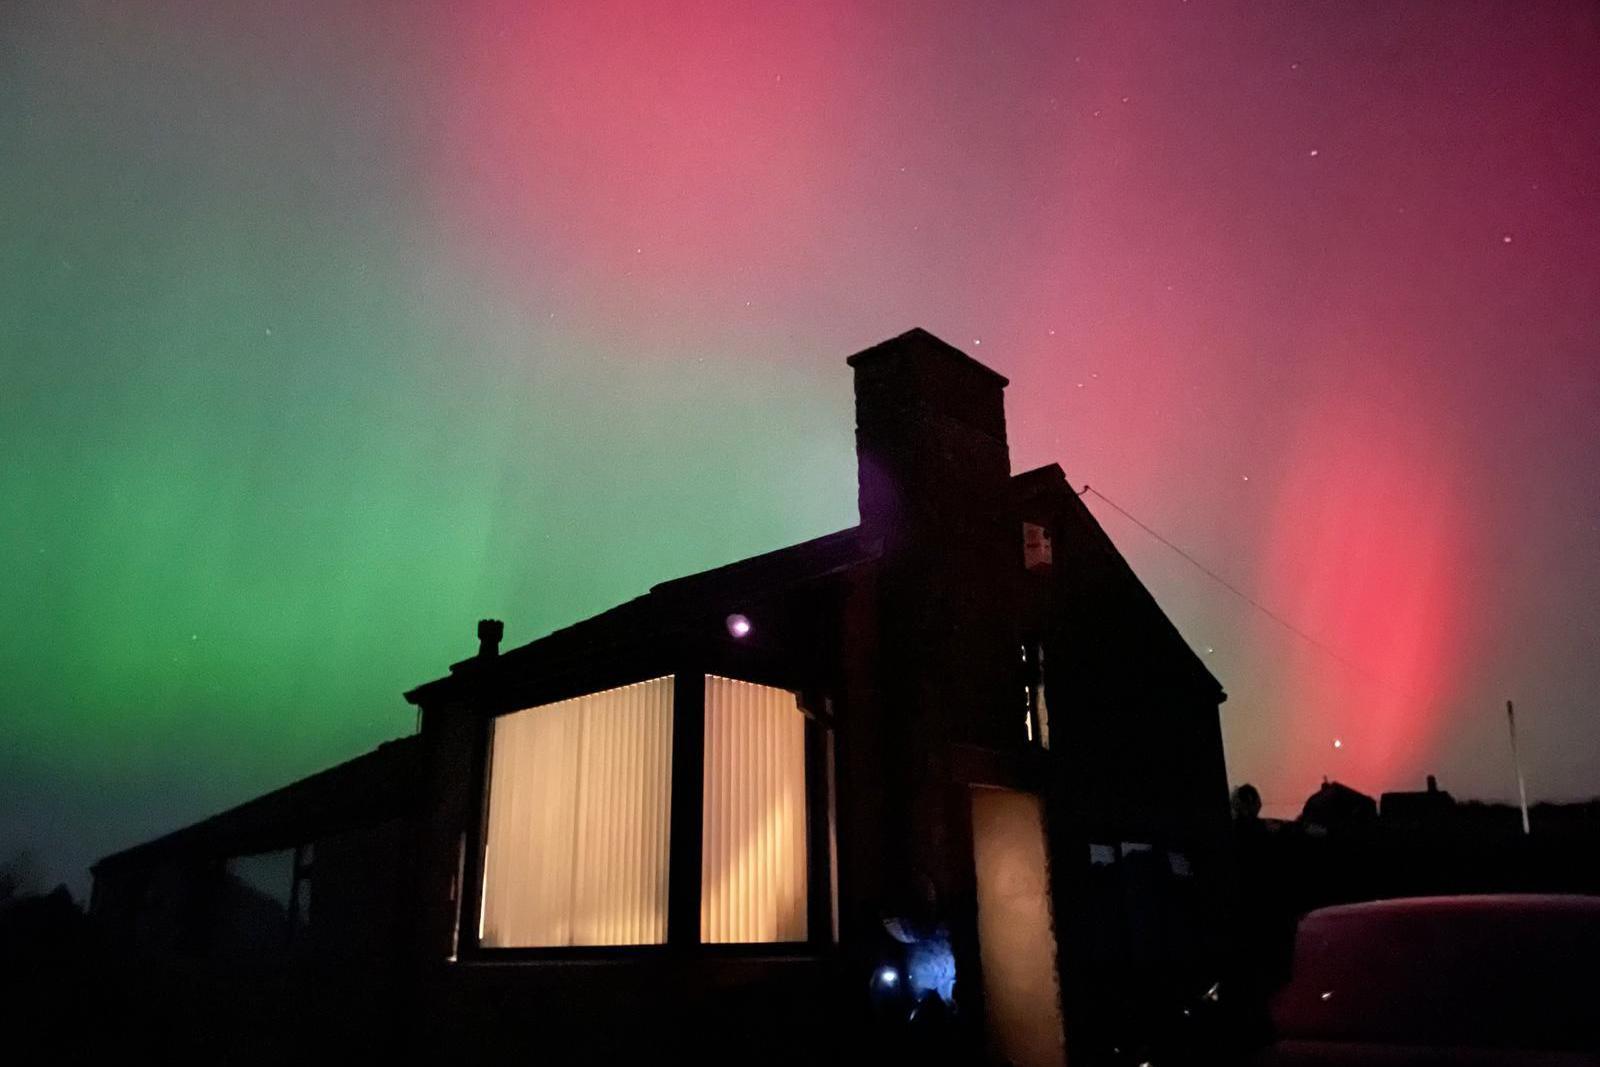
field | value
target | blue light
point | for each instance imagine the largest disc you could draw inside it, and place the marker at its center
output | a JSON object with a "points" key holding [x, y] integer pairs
{"points": [[931, 968]]}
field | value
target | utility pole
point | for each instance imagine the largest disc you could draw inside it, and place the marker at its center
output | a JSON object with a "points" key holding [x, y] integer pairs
{"points": [[1516, 761]]}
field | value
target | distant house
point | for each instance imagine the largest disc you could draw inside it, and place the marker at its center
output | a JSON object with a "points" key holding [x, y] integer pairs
{"points": [[1427, 806], [1336, 806], [953, 756]]}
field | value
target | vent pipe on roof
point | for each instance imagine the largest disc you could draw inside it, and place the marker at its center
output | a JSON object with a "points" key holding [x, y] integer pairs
{"points": [[489, 633]]}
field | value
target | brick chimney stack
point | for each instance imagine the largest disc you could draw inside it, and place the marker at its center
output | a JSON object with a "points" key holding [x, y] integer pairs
{"points": [[934, 487], [930, 438]]}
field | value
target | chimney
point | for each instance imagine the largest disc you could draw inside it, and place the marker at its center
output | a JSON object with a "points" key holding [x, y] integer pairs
{"points": [[489, 633], [930, 438], [934, 489], [1433, 784]]}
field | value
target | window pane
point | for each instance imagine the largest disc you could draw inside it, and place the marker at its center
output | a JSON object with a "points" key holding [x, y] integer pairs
{"points": [[579, 805], [253, 908], [753, 860]]}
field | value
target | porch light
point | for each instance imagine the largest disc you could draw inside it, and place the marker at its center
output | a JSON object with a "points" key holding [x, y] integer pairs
{"points": [[738, 626]]}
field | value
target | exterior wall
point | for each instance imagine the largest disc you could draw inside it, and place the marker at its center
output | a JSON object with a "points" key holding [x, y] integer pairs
{"points": [[185, 904], [1137, 794], [662, 1008], [358, 899], [451, 746], [212, 969]]}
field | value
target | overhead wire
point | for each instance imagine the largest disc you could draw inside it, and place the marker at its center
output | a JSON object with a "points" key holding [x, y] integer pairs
{"points": [[1229, 586]]}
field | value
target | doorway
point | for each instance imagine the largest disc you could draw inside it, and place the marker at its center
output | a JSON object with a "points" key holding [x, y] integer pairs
{"points": [[1016, 936]]}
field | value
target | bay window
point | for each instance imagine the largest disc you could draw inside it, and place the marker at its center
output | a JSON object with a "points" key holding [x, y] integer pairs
{"points": [[577, 834]]}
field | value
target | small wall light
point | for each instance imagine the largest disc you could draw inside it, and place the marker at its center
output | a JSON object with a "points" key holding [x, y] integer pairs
{"points": [[738, 626], [886, 977]]}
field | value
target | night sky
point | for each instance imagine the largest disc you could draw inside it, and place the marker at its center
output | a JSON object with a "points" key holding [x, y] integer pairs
{"points": [[329, 328]]}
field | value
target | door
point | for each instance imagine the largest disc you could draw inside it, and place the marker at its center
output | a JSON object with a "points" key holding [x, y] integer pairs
{"points": [[1016, 937]]}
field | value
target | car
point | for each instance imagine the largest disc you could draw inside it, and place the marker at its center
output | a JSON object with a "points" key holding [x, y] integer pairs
{"points": [[1510, 980]]}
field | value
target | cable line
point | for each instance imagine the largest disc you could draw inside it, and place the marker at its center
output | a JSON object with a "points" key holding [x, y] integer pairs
{"points": [[1229, 586]]}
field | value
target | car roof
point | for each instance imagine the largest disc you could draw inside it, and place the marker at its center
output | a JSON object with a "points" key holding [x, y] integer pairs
{"points": [[1485, 902]]}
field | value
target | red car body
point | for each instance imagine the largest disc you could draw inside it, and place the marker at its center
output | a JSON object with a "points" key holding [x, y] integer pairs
{"points": [[1505, 980]]}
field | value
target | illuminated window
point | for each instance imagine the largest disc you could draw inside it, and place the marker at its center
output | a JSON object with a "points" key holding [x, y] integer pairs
{"points": [[577, 835], [580, 797], [753, 859], [1037, 714]]}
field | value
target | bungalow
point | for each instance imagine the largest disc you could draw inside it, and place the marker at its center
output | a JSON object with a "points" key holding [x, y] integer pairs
{"points": [[948, 776]]}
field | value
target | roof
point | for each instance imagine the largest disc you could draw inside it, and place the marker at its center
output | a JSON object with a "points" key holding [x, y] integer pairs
{"points": [[369, 789], [662, 607], [1049, 483]]}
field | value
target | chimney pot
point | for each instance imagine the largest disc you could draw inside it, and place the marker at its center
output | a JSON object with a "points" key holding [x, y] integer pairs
{"points": [[489, 633]]}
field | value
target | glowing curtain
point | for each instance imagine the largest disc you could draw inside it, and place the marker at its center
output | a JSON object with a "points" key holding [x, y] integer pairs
{"points": [[753, 858], [579, 806]]}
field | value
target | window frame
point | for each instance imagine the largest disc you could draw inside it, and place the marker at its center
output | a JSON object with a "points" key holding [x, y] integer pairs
{"points": [[684, 849]]}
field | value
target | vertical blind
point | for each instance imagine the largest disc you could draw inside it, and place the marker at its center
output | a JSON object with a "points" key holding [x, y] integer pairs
{"points": [[753, 858], [580, 798]]}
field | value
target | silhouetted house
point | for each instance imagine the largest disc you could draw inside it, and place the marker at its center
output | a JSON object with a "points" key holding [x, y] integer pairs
{"points": [[1335, 806], [1430, 805], [954, 752]]}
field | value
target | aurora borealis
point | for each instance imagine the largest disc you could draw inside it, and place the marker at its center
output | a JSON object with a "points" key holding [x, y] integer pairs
{"points": [[327, 328]]}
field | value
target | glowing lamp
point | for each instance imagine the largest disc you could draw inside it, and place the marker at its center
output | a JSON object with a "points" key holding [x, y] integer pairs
{"points": [[738, 626], [886, 977]]}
